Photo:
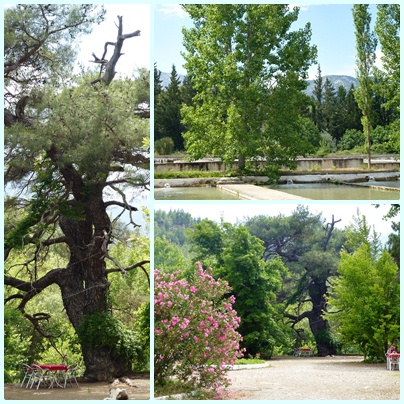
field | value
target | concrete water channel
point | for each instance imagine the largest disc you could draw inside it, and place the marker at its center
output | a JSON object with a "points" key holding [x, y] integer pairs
{"points": [[339, 178], [315, 191]]}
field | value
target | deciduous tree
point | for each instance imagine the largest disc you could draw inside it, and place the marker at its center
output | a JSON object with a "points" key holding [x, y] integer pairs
{"points": [[248, 70], [366, 296], [365, 47]]}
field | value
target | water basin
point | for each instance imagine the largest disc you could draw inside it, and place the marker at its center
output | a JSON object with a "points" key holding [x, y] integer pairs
{"points": [[192, 193], [326, 191]]}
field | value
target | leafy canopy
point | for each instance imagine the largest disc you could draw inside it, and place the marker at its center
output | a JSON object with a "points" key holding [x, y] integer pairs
{"points": [[248, 70]]}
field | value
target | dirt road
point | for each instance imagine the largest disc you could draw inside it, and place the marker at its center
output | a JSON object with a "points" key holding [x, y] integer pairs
{"points": [[336, 378]]}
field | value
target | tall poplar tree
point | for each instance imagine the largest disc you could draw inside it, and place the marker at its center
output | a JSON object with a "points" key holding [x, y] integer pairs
{"points": [[387, 29], [249, 71], [365, 47]]}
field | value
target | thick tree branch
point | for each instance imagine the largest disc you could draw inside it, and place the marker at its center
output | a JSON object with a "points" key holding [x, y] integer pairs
{"points": [[328, 231], [129, 268], [36, 286], [122, 205], [298, 318], [109, 73]]}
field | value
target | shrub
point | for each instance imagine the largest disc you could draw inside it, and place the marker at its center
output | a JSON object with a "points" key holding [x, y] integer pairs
{"points": [[195, 331], [102, 330], [164, 145], [383, 139], [351, 139], [327, 144]]}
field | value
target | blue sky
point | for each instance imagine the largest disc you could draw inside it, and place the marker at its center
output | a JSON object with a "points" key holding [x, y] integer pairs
{"points": [[332, 32]]}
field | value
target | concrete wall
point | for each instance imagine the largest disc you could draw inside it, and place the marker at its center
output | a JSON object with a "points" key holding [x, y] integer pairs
{"points": [[165, 164]]}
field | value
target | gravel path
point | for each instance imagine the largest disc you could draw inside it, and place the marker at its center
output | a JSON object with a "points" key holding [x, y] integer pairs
{"points": [[87, 391], [330, 378]]}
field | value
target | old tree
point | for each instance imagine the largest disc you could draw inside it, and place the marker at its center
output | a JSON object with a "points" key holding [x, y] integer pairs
{"points": [[309, 248], [75, 148]]}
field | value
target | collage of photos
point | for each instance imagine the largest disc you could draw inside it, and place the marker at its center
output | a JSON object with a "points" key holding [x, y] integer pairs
{"points": [[201, 201]]}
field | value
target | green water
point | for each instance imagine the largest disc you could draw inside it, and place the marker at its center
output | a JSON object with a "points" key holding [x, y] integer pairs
{"points": [[339, 192], [312, 191], [192, 193]]}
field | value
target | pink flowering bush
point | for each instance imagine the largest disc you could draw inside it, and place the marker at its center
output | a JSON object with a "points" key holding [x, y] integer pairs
{"points": [[195, 331]]}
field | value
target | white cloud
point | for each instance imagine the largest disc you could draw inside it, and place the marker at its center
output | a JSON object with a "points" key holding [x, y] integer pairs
{"points": [[171, 10]]}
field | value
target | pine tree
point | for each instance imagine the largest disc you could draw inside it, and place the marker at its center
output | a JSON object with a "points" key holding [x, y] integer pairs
{"points": [[318, 95]]}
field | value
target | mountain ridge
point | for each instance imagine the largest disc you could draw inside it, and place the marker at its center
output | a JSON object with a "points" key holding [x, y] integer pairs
{"points": [[336, 80]]}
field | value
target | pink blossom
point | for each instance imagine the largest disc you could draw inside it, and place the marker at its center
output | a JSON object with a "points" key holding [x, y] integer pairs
{"points": [[184, 323], [195, 321]]}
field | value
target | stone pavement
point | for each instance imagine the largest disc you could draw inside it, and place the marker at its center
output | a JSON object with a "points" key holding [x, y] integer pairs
{"points": [[253, 192]]}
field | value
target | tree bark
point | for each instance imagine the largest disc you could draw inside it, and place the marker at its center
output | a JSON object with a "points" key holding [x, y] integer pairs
{"points": [[318, 325]]}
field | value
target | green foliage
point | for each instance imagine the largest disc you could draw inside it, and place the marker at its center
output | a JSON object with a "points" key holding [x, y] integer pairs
{"points": [[236, 256], [38, 40], [172, 225], [167, 256], [365, 46], [102, 330], [164, 145], [16, 344], [327, 144], [167, 123], [367, 297], [311, 133], [142, 325], [45, 192], [383, 139], [387, 28], [90, 125], [311, 260], [245, 361], [351, 139], [189, 174], [329, 338], [232, 55]]}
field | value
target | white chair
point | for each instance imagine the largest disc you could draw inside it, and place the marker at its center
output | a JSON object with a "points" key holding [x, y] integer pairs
{"points": [[27, 374], [70, 375], [393, 362], [41, 376]]}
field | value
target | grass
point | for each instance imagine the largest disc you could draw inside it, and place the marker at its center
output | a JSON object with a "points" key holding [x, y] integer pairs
{"points": [[245, 361], [189, 174]]}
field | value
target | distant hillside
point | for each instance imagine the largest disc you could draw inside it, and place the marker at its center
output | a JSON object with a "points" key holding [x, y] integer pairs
{"points": [[336, 81], [165, 79]]}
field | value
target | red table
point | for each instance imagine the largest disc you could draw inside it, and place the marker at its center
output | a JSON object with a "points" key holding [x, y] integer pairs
{"points": [[303, 352], [54, 368], [52, 374]]}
